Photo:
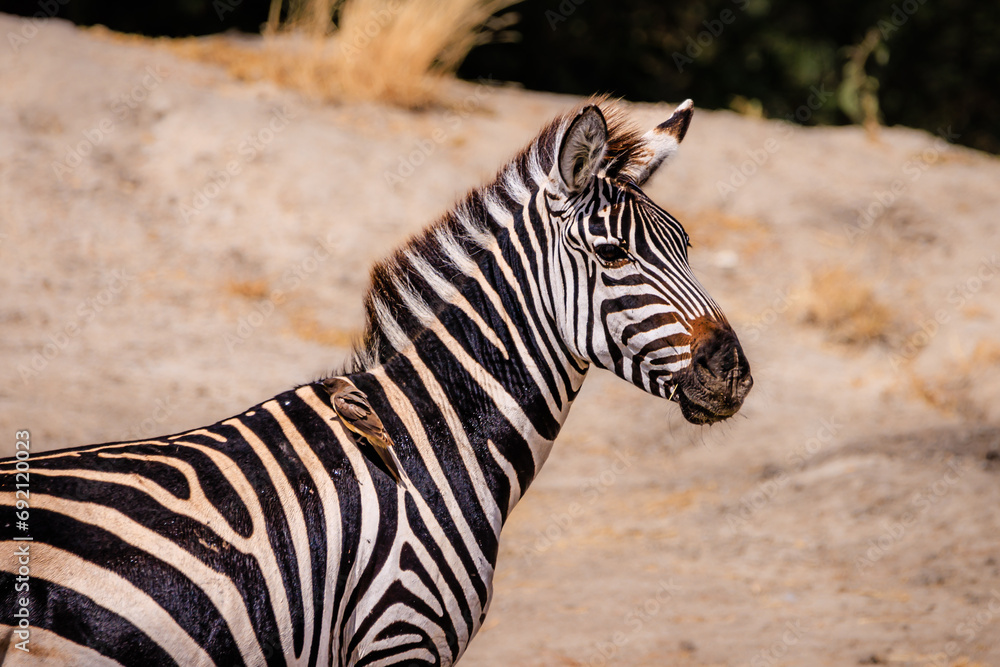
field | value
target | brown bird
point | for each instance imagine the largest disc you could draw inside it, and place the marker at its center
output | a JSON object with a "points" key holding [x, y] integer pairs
{"points": [[355, 412]]}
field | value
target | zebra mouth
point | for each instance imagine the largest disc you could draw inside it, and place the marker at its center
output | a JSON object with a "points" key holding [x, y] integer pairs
{"points": [[699, 413]]}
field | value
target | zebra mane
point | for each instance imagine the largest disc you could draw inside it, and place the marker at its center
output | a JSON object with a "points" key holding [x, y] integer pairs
{"points": [[410, 288]]}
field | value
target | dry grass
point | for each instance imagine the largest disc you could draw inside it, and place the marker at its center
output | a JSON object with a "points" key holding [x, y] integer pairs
{"points": [[939, 395], [248, 289], [846, 308], [423, 41], [985, 354], [954, 391], [950, 393], [396, 51]]}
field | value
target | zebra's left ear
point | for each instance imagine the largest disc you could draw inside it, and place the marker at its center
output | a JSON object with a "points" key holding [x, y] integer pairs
{"points": [[582, 149], [661, 143]]}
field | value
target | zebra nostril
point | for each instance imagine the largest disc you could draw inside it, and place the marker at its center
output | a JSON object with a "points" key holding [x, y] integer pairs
{"points": [[719, 366], [704, 367], [710, 362]]}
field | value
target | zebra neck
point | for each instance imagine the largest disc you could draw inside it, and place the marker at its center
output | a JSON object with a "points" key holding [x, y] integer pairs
{"points": [[483, 390]]}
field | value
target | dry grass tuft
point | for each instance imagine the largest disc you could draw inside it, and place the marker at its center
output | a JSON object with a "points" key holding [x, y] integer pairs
{"points": [[847, 309], [248, 289], [396, 51], [985, 354], [952, 395], [422, 41], [957, 389]]}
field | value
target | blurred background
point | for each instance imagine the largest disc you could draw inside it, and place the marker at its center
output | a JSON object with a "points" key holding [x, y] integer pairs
{"points": [[943, 69]]}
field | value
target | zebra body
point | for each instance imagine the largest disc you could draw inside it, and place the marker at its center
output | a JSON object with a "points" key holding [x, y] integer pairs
{"points": [[279, 537]]}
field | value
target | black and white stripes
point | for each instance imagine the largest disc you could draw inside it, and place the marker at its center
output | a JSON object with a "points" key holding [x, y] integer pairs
{"points": [[280, 537]]}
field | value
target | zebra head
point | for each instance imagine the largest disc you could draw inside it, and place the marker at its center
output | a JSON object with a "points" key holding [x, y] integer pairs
{"points": [[629, 302]]}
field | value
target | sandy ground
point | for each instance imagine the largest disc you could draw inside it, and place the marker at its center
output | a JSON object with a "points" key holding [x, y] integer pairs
{"points": [[150, 206]]}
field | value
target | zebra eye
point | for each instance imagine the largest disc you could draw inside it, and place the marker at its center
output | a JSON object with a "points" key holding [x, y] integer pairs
{"points": [[612, 254]]}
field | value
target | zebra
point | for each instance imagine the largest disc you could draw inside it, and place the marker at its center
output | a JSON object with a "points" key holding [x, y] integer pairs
{"points": [[361, 528]]}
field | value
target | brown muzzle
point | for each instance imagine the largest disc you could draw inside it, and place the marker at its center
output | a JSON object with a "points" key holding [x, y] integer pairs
{"points": [[713, 387]]}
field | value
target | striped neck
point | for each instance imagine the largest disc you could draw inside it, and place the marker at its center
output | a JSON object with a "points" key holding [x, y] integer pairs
{"points": [[487, 373], [473, 349]]}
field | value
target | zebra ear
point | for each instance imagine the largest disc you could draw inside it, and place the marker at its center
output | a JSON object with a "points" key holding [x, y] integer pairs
{"points": [[661, 143], [582, 149]]}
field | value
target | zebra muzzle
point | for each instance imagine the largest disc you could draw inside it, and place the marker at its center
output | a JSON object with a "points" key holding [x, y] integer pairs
{"points": [[718, 379]]}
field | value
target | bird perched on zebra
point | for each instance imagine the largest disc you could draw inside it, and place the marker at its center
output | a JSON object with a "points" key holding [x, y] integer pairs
{"points": [[278, 537], [354, 410]]}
